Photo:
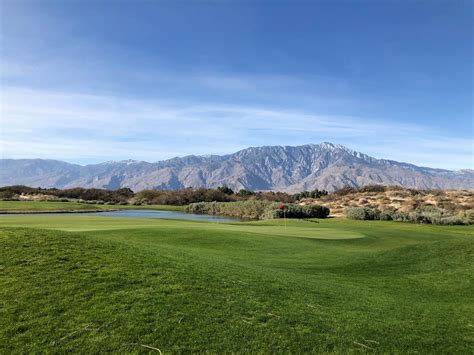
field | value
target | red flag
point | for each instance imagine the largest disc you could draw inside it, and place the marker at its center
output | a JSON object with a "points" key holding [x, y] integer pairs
{"points": [[282, 206]]}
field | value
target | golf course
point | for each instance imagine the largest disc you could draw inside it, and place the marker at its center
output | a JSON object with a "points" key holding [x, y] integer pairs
{"points": [[108, 284]]}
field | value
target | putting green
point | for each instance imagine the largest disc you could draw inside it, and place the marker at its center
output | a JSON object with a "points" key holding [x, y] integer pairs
{"points": [[298, 229]]}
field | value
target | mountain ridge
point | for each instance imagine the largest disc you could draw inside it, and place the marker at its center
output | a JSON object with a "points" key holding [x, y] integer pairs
{"points": [[284, 168]]}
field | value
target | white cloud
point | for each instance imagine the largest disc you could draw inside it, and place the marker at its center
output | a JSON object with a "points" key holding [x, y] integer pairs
{"points": [[81, 127]]}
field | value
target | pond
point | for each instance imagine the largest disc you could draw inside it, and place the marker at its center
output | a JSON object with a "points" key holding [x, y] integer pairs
{"points": [[141, 214]]}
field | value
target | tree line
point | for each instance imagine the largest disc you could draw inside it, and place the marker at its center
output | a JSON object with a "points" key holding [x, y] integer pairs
{"points": [[161, 197]]}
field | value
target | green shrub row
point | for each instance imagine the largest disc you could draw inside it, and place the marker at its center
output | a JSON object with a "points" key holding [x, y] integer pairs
{"points": [[243, 209], [255, 209], [297, 211], [423, 215]]}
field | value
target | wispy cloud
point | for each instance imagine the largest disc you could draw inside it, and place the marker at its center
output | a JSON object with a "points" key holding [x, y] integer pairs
{"points": [[85, 128]]}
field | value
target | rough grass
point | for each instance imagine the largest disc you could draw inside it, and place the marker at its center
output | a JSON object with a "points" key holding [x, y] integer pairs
{"points": [[44, 206], [97, 284]]}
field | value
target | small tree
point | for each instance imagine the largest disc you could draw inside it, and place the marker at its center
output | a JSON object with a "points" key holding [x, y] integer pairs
{"points": [[245, 193], [225, 189]]}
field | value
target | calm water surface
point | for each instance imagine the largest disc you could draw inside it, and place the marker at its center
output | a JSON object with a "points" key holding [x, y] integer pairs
{"points": [[141, 214]]}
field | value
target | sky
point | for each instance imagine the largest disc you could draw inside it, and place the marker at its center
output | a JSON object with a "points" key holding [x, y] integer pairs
{"points": [[97, 80]]}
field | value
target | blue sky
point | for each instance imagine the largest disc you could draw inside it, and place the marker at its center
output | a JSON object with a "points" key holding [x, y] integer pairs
{"points": [[88, 81]]}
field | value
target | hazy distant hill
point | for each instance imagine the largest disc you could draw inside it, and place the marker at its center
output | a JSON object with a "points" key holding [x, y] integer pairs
{"points": [[323, 166]]}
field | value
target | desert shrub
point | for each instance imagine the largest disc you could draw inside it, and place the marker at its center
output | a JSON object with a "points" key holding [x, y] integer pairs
{"points": [[395, 188], [274, 196], [198, 208], [422, 215], [346, 190], [21, 189], [373, 188], [448, 205], [411, 204], [252, 209], [6, 195], [165, 197], [453, 220], [426, 215], [317, 211], [362, 213], [416, 217], [386, 215], [468, 216], [436, 192], [245, 193], [182, 197], [399, 216], [297, 211], [119, 195], [256, 209], [309, 194], [415, 192]]}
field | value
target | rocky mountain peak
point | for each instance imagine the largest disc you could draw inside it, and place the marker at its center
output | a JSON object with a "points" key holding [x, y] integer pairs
{"points": [[285, 168]]}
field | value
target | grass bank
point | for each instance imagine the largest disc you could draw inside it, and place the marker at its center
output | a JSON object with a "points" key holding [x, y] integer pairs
{"points": [[14, 207]]}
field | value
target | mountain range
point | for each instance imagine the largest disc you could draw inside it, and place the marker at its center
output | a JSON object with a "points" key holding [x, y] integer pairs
{"points": [[323, 166]]}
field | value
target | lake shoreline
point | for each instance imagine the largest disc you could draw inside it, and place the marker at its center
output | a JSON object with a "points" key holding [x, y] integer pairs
{"points": [[58, 211], [126, 213]]}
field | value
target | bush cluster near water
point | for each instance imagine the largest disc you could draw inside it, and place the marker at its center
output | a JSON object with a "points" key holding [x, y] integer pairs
{"points": [[254, 209], [424, 215], [298, 211]]}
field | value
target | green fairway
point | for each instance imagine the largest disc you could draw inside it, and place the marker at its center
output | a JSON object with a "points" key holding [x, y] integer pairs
{"points": [[45, 206], [100, 284]]}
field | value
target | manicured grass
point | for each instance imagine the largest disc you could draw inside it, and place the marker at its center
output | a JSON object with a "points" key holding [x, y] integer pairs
{"points": [[97, 284], [43, 206]]}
